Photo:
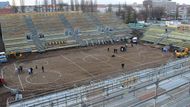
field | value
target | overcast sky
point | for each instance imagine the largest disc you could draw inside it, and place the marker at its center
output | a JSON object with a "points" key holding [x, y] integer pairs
{"points": [[108, 1]]}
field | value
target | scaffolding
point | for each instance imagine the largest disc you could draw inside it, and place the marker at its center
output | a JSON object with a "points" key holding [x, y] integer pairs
{"points": [[40, 46], [101, 91], [30, 25]]}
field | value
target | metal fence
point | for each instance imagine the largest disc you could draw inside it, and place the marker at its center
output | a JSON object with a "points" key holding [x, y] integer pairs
{"points": [[97, 93]]}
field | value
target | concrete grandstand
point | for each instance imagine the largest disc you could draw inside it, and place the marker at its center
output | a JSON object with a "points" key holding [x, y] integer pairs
{"points": [[89, 73], [59, 29]]}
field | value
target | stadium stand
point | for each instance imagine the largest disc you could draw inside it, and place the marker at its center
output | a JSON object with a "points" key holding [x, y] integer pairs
{"points": [[2, 47], [157, 35], [48, 23], [110, 20], [79, 21], [46, 31], [14, 30]]}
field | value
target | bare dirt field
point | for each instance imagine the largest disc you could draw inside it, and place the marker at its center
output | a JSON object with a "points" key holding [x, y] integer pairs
{"points": [[74, 67]]}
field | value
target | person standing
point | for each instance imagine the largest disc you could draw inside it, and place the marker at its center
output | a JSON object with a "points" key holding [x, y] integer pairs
{"points": [[16, 70], [31, 70], [42, 68], [132, 44], [122, 65], [21, 68], [115, 50]]}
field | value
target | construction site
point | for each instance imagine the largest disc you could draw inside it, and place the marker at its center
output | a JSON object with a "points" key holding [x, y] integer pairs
{"points": [[92, 60]]}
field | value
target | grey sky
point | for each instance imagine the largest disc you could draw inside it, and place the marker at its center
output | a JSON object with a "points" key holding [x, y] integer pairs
{"points": [[109, 1]]}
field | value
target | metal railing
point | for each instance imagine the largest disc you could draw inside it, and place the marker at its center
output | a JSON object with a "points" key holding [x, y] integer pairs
{"points": [[85, 94], [65, 22], [30, 25]]}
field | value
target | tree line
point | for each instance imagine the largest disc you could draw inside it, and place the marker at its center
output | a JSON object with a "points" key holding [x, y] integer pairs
{"points": [[57, 5], [130, 15], [124, 11]]}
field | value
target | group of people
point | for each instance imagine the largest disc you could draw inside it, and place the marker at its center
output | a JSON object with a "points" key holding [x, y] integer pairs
{"points": [[19, 69], [133, 40], [114, 50], [29, 70], [122, 49]]}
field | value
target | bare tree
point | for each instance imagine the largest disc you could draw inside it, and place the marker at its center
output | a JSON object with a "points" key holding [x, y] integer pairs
{"points": [[148, 5], [91, 6], [95, 6], [109, 8], [127, 14], [67, 7], [82, 5], [22, 5], [61, 5], [14, 7], [177, 11], [118, 12], [119, 8], [72, 6], [158, 12], [86, 6], [141, 15], [46, 5], [51, 4], [188, 11], [54, 5], [36, 7], [77, 6]]}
